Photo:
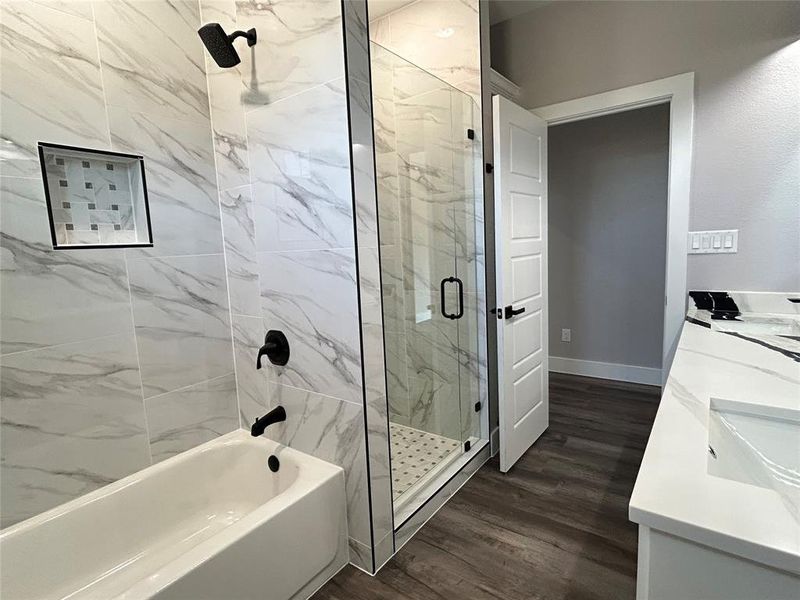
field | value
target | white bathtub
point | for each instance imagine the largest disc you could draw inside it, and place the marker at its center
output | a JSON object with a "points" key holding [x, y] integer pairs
{"points": [[212, 523]]}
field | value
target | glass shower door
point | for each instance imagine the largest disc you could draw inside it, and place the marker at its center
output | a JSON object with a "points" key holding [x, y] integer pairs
{"points": [[422, 141]]}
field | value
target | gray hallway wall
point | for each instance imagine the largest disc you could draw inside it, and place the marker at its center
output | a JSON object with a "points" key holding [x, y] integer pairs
{"points": [[607, 226], [746, 59]]}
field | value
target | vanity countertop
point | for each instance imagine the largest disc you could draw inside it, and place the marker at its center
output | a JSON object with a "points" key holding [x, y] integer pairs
{"points": [[674, 491]]}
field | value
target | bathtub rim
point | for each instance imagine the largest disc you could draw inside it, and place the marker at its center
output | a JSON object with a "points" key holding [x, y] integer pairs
{"points": [[316, 474]]}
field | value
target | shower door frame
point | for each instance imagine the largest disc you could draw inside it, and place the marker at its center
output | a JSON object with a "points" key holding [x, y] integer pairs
{"points": [[386, 536]]}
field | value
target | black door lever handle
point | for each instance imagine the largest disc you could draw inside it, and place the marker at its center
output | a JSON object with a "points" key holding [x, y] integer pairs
{"points": [[510, 311]]}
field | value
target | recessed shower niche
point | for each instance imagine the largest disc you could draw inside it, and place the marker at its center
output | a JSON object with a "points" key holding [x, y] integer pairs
{"points": [[95, 198]]}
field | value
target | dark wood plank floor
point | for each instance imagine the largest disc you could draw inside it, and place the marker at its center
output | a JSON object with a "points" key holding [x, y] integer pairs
{"points": [[555, 527]]}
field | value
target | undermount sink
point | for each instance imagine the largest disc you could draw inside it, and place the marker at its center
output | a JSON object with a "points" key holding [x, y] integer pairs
{"points": [[758, 445], [762, 325]]}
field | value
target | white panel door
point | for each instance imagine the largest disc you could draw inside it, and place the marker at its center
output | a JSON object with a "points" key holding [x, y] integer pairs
{"points": [[520, 189]]}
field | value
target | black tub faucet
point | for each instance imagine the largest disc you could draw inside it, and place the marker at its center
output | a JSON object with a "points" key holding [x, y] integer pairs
{"points": [[276, 415], [275, 348]]}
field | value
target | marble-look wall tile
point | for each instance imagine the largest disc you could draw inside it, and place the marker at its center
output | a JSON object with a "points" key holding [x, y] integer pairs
{"points": [[299, 46], [360, 555], [433, 347], [76, 8], [239, 233], [454, 58], [52, 88], [332, 430], [53, 297], [181, 181], [182, 321], [312, 297], [252, 383], [363, 163], [397, 377], [393, 290], [72, 406], [72, 421], [180, 420], [375, 377], [301, 185], [226, 88], [152, 57]]}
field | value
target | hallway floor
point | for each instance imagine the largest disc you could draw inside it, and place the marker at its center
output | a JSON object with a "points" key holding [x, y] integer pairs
{"points": [[555, 527]]}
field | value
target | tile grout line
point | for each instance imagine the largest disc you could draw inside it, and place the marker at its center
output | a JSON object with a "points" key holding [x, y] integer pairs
{"points": [[315, 86], [61, 345], [186, 387], [221, 228], [138, 359], [100, 72]]}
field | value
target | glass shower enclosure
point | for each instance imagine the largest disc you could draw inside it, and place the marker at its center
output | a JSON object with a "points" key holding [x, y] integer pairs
{"points": [[428, 171]]}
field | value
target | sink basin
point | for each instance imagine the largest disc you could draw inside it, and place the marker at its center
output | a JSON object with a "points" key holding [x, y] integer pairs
{"points": [[761, 325], [757, 445]]}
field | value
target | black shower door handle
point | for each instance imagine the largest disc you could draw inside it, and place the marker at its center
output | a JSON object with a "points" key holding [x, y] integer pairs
{"points": [[460, 285]]}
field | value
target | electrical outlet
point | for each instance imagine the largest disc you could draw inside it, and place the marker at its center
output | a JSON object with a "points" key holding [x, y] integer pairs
{"points": [[566, 335]]}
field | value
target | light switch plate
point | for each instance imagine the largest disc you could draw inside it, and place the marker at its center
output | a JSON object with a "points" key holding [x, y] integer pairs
{"points": [[722, 241]]}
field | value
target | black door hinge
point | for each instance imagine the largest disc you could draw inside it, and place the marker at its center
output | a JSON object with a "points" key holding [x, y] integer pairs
{"points": [[471, 134], [467, 446], [489, 167], [478, 407]]}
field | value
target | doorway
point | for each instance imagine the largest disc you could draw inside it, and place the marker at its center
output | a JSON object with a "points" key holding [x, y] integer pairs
{"points": [[677, 93], [608, 186]]}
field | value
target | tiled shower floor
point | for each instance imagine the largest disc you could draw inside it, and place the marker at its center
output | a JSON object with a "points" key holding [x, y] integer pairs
{"points": [[416, 453]]}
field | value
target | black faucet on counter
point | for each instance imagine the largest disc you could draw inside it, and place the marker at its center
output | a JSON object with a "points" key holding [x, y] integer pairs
{"points": [[276, 415]]}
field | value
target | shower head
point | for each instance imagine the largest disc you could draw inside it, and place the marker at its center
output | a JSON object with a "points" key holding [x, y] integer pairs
{"points": [[220, 45]]}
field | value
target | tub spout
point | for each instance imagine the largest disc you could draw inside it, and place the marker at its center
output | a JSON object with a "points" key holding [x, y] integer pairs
{"points": [[276, 415]]}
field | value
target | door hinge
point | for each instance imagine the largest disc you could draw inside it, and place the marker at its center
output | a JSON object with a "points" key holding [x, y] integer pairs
{"points": [[471, 134], [478, 407], [489, 167], [467, 446]]}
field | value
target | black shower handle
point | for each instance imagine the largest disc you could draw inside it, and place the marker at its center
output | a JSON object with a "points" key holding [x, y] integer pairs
{"points": [[460, 285], [441, 297]]}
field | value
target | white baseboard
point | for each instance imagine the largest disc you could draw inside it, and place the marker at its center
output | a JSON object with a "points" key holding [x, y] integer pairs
{"points": [[591, 368]]}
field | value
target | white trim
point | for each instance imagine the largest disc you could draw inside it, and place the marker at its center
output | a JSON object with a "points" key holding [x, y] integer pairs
{"points": [[679, 92], [503, 86], [603, 370]]}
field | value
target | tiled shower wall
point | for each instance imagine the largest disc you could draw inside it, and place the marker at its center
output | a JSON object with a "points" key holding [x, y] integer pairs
{"points": [[283, 160], [431, 211], [112, 359]]}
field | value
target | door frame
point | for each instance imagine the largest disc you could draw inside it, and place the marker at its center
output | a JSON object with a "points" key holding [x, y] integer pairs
{"points": [[678, 91]]}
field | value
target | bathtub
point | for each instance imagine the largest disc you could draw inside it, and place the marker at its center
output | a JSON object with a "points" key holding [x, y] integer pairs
{"points": [[212, 523]]}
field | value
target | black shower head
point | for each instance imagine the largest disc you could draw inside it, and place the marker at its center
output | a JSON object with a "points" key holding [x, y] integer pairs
{"points": [[220, 45]]}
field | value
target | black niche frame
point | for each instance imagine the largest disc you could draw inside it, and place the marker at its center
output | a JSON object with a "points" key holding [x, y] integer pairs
{"points": [[139, 158]]}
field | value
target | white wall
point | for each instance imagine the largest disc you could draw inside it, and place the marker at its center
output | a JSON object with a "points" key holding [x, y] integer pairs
{"points": [[746, 59], [607, 218]]}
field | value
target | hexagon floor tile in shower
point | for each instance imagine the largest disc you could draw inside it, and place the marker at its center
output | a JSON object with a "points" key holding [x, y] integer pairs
{"points": [[414, 454]]}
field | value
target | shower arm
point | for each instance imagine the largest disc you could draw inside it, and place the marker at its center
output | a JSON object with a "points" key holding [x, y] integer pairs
{"points": [[250, 34]]}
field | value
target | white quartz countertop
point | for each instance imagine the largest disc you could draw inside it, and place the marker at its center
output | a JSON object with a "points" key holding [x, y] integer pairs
{"points": [[674, 490]]}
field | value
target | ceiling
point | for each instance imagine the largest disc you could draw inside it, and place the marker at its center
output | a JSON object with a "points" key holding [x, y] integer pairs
{"points": [[499, 10], [378, 8], [502, 10]]}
